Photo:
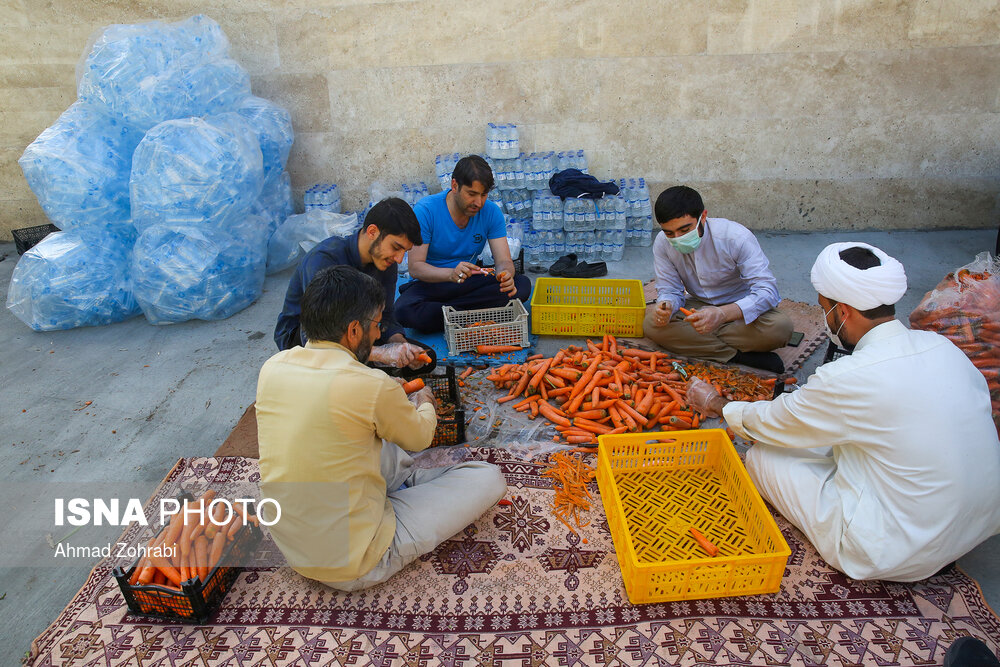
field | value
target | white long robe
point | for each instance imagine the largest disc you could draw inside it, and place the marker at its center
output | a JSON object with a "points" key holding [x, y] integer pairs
{"points": [[912, 478]]}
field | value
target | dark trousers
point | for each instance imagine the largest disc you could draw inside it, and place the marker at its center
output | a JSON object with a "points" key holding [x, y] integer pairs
{"points": [[419, 303]]}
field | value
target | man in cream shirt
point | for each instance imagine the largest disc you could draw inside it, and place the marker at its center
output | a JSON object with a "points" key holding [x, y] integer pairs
{"points": [[332, 432], [886, 459]]}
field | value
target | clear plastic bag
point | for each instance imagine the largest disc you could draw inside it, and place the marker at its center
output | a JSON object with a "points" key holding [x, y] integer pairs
{"points": [[73, 279], [183, 273], [151, 72], [273, 126], [300, 233], [965, 308], [196, 171], [79, 168], [275, 202]]}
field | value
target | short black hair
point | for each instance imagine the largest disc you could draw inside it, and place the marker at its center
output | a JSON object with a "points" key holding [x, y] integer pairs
{"points": [[335, 297], [394, 217], [676, 202], [473, 168], [863, 258]]}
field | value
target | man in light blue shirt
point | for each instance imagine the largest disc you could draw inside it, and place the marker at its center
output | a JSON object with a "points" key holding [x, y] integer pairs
{"points": [[455, 226], [730, 288]]}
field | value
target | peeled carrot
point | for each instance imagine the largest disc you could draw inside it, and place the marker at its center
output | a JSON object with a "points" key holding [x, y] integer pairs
{"points": [[703, 541], [215, 553], [201, 557], [686, 311], [426, 358], [413, 385], [466, 373], [169, 571]]}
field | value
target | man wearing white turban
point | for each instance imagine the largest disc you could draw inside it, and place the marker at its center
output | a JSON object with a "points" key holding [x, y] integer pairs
{"points": [[887, 459]]}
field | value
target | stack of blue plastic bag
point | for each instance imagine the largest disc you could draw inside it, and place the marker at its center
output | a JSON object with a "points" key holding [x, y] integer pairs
{"points": [[172, 172]]}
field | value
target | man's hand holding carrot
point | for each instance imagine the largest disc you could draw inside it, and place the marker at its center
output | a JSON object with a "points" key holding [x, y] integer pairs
{"points": [[661, 315]]}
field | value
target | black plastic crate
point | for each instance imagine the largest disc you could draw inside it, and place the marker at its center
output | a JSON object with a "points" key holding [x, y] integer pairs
{"points": [[196, 600], [26, 237], [833, 353], [451, 425]]}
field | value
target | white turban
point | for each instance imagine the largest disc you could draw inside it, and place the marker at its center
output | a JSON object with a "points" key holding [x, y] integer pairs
{"points": [[863, 289]]}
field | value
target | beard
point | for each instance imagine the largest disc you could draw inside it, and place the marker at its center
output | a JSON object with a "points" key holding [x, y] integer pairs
{"points": [[364, 348]]}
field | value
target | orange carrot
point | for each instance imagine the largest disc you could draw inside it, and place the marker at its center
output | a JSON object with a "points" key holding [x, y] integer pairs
{"points": [[550, 413], [426, 358], [703, 541], [686, 311], [466, 373], [413, 385], [215, 553], [201, 557], [169, 571]]}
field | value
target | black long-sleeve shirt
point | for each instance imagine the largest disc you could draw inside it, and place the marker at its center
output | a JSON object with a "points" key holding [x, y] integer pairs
{"points": [[333, 251]]}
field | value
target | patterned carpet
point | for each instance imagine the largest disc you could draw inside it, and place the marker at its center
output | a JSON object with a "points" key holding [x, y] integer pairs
{"points": [[516, 588]]}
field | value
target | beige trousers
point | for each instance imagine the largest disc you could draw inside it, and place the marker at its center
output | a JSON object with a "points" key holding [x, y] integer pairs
{"points": [[434, 504], [768, 332]]}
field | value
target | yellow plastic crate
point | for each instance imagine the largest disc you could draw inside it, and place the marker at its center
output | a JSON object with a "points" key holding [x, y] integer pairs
{"points": [[656, 486], [587, 307]]}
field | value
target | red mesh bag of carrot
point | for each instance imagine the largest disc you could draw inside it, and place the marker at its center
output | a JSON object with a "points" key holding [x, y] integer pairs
{"points": [[965, 307]]}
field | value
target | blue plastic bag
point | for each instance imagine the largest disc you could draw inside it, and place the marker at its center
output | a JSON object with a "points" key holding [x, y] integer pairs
{"points": [[273, 126], [182, 273], [196, 171], [275, 202], [151, 72], [79, 168], [73, 279]]}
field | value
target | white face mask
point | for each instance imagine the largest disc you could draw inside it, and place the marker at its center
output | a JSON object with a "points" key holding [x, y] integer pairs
{"points": [[834, 337]]}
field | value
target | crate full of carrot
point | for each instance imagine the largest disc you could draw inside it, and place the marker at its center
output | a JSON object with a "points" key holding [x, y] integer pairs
{"points": [[185, 570]]}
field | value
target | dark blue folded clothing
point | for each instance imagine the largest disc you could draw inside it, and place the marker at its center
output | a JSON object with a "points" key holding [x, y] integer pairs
{"points": [[576, 184]]}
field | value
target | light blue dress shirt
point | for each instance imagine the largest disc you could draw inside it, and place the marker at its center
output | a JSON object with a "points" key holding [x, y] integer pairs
{"points": [[727, 267]]}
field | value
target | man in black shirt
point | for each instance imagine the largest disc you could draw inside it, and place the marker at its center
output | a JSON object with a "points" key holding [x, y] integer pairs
{"points": [[390, 230]]}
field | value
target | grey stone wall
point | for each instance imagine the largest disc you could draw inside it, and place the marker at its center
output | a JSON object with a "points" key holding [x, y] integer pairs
{"points": [[787, 114]]}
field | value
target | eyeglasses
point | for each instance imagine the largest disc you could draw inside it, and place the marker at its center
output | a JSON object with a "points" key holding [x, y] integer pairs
{"points": [[380, 323]]}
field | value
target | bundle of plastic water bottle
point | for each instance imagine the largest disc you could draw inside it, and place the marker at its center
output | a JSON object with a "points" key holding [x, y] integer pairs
{"points": [[322, 197], [638, 211], [167, 177], [545, 225]]}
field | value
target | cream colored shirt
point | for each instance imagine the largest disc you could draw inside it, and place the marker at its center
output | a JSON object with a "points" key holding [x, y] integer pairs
{"points": [[321, 419]]}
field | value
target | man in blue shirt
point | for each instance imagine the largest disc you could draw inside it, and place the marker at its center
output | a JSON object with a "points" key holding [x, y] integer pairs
{"points": [[729, 287], [390, 230], [455, 226]]}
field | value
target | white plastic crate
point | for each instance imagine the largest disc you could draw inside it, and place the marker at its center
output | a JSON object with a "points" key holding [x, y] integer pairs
{"points": [[465, 329]]}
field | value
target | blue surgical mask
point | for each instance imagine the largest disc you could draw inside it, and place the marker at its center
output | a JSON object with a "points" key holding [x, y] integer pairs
{"points": [[687, 243]]}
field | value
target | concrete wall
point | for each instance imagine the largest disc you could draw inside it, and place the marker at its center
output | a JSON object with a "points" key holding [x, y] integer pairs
{"points": [[787, 114]]}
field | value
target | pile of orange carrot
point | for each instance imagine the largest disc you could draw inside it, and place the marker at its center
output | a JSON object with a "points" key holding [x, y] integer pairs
{"points": [[571, 476], [196, 545], [598, 389], [607, 389]]}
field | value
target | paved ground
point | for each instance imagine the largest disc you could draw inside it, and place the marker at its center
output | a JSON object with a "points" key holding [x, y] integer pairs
{"points": [[160, 393]]}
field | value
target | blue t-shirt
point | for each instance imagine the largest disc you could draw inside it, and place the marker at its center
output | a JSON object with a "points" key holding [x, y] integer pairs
{"points": [[447, 245]]}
